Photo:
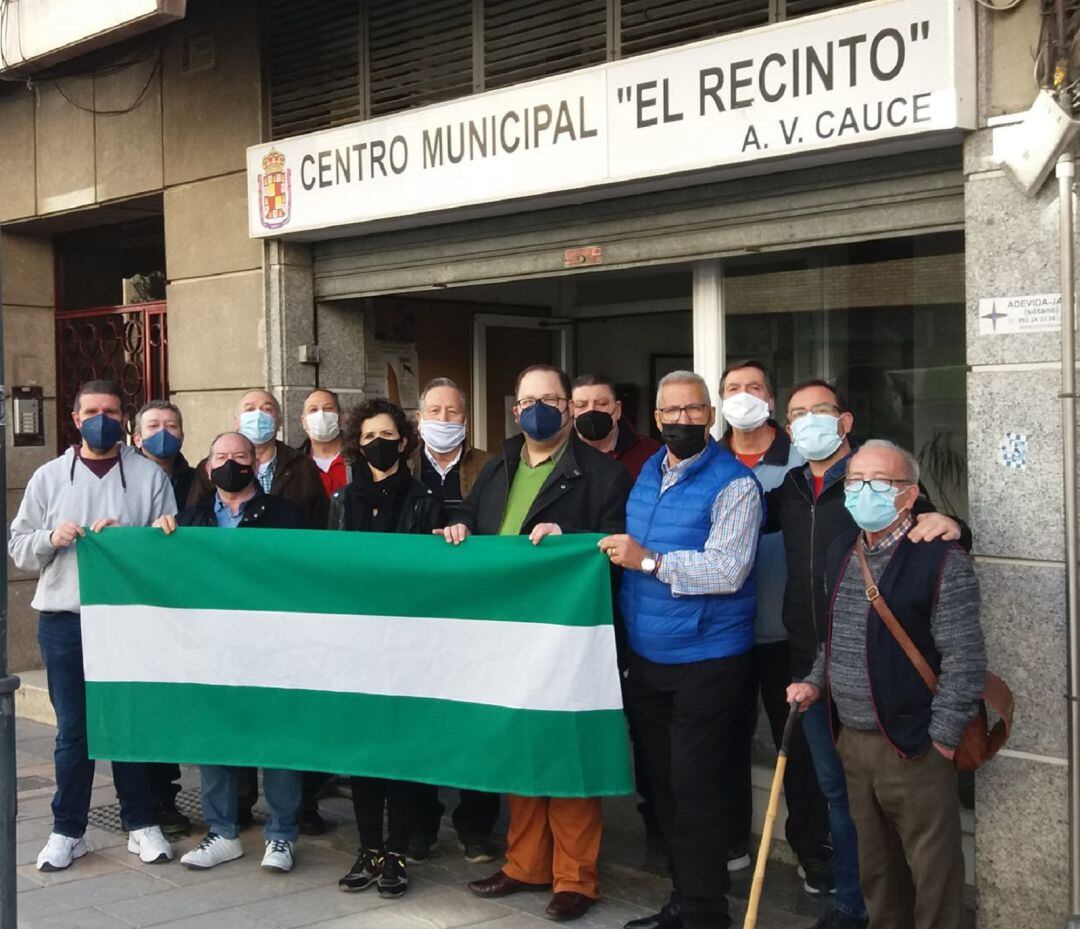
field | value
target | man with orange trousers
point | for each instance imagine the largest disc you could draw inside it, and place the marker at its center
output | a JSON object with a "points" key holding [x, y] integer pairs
{"points": [[547, 481]]}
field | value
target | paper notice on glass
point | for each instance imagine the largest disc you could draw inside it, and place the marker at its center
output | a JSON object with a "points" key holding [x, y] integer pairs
{"points": [[394, 373]]}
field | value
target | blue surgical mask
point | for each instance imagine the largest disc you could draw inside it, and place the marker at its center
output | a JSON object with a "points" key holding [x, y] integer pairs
{"points": [[101, 432], [816, 435], [872, 510], [162, 444], [258, 425], [541, 421]]}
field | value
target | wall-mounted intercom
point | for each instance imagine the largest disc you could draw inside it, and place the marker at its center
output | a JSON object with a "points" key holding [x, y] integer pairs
{"points": [[28, 416]]}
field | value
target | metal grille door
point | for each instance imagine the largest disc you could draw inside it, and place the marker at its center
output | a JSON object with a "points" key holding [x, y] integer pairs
{"points": [[125, 344]]}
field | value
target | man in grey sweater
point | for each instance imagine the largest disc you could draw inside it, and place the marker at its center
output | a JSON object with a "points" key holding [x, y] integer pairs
{"points": [[897, 738], [99, 483]]}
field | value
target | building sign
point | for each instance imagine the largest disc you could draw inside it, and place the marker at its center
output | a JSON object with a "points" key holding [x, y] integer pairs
{"points": [[890, 72], [1006, 315]]}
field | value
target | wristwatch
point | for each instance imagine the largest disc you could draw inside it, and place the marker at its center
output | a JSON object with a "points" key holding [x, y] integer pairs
{"points": [[650, 564]]}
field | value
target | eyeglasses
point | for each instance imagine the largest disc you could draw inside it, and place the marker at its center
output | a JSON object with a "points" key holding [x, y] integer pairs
{"points": [[824, 409], [558, 403], [695, 412], [880, 484]]}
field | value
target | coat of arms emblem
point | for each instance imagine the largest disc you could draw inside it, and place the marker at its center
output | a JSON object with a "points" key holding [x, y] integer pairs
{"points": [[275, 190]]}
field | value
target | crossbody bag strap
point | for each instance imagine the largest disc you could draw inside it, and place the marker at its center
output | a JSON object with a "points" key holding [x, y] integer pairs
{"points": [[893, 624]]}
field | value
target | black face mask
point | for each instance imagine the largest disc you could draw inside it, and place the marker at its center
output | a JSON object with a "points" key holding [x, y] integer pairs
{"points": [[232, 477], [381, 453], [594, 425], [684, 440]]}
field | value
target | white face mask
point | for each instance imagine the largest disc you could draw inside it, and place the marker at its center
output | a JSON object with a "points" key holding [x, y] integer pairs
{"points": [[745, 412], [441, 437], [322, 425]]}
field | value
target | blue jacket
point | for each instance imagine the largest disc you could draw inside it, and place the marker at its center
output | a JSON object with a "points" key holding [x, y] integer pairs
{"points": [[660, 626], [771, 558]]}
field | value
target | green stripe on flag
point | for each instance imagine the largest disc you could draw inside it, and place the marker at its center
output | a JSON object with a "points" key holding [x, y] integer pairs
{"points": [[557, 754], [564, 580], [219, 600]]}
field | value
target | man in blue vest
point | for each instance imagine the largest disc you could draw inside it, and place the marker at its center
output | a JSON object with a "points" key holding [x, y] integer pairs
{"points": [[688, 600]]}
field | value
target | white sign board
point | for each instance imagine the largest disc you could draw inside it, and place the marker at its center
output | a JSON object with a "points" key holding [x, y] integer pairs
{"points": [[877, 73], [1007, 315]]}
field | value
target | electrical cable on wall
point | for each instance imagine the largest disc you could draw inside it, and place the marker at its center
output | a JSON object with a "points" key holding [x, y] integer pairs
{"points": [[76, 70]]}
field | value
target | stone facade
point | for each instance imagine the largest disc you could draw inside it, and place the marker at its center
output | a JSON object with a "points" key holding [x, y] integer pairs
{"points": [[240, 312]]}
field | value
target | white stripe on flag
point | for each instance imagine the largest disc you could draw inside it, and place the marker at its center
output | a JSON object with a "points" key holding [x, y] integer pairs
{"points": [[530, 666]]}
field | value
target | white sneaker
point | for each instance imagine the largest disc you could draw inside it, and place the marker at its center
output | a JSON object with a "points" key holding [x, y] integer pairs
{"points": [[150, 845], [59, 852], [213, 850], [278, 856]]}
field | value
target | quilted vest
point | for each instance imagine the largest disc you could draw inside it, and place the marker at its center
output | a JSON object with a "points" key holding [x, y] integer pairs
{"points": [[660, 626]]}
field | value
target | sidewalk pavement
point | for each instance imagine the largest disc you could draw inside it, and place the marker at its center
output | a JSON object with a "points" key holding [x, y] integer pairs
{"points": [[111, 889]]}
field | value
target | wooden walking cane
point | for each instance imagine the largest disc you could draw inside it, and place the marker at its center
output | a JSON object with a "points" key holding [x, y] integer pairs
{"points": [[770, 817]]}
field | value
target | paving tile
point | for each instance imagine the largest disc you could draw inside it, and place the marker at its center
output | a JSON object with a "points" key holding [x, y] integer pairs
{"points": [[317, 904], [518, 921], [373, 919], [448, 909], [242, 885], [35, 808], [27, 852], [222, 919], [36, 829], [105, 889], [26, 730], [85, 868], [73, 919]]}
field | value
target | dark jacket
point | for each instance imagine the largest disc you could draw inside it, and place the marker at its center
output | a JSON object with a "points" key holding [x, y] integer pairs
{"points": [[909, 585], [586, 492], [420, 514], [469, 468], [260, 512], [633, 450], [182, 477], [296, 478], [810, 527]]}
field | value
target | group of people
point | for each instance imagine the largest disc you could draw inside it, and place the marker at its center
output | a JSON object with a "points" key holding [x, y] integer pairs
{"points": [[740, 570]]}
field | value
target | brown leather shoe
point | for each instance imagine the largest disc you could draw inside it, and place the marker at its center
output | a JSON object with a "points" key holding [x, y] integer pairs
{"points": [[567, 905], [501, 884]]}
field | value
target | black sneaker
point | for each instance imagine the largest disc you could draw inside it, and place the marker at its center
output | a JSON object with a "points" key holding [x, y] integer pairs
{"points": [[364, 872], [817, 875], [421, 846], [738, 858], [394, 881], [173, 822], [478, 851]]}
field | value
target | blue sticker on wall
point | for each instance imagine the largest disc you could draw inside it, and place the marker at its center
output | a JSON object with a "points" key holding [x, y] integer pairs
{"points": [[1014, 451]]}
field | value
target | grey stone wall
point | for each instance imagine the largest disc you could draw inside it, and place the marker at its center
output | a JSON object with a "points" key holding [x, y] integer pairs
{"points": [[1016, 517]]}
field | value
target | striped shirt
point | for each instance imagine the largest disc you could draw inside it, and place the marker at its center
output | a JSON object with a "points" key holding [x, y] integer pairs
{"points": [[728, 557]]}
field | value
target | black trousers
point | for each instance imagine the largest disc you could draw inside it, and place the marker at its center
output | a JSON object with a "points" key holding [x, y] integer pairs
{"points": [[166, 778], [807, 827], [372, 795], [688, 717], [474, 817]]}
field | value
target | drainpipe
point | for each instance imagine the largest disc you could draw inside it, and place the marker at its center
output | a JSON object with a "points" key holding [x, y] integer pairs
{"points": [[1065, 170], [8, 685]]}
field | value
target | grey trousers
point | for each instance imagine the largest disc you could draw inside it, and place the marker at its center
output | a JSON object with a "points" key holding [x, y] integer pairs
{"points": [[908, 819]]}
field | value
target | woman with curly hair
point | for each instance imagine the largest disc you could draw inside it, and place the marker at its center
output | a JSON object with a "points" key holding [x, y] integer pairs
{"points": [[382, 497]]}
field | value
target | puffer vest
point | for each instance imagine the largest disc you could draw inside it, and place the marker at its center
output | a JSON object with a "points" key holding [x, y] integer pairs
{"points": [[660, 626]]}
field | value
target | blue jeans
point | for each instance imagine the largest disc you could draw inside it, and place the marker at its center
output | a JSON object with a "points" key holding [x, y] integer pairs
{"points": [[220, 789], [830, 775], [60, 640]]}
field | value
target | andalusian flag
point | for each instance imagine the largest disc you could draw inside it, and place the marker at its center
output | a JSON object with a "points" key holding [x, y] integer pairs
{"points": [[490, 665]]}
